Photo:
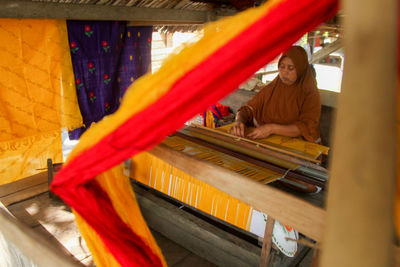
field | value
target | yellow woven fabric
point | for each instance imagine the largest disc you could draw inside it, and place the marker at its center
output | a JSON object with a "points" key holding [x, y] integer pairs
{"points": [[296, 145], [37, 95], [158, 174], [27, 156], [119, 190], [210, 122]]}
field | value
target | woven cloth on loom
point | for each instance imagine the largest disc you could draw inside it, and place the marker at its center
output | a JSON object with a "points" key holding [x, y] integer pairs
{"points": [[156, 105], [296, 144], [165, 178]]}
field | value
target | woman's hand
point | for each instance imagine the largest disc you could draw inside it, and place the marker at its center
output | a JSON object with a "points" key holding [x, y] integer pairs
{"points": [[237, 129], [262, 132]]}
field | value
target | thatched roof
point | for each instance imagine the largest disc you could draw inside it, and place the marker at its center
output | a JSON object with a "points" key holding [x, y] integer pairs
{"points": [[164, 15]]}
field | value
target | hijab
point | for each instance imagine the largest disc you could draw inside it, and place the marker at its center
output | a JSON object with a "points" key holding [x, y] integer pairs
{"points": [[298, 104]]}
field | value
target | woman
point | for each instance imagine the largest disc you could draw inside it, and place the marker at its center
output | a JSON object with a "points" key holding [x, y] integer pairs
{"points": [[290, 105]]}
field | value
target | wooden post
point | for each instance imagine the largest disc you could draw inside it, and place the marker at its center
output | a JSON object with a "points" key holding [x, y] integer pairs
{"points": [[267, 243], [359, 223], [315, 257]]}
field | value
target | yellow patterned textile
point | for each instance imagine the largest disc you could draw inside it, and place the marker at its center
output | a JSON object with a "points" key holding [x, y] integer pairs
{"points": [[37, 95], [158, 174], [296, 145]]}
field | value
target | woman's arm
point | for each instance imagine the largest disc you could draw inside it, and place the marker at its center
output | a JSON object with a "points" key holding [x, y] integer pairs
{"points": [[247, 112], [239, 126], [266, 130]]}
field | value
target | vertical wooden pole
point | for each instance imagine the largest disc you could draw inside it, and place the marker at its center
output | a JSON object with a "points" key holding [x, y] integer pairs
{"points": [[267, 243], [359, 224], [315, 257]]}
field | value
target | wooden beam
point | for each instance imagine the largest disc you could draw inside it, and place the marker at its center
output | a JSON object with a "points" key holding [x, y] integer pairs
{"points": [[195, 234], [11, 188], [25, 194], [315, 57], [396, 258], [31, 244], [24, 188], [267, 242], [287, 209], [330, 48], [359, 228], [30, 9]]}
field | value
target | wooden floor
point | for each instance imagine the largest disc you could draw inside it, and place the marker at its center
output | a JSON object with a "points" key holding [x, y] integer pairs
{"points": [[177, 256], [55, 220]]}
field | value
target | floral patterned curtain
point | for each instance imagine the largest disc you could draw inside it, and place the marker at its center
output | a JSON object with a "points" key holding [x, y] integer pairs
{"points": [[106, 57]]}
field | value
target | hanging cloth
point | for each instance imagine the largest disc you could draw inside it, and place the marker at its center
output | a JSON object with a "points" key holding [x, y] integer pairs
{"points": [[37, 95], [107, 56]]}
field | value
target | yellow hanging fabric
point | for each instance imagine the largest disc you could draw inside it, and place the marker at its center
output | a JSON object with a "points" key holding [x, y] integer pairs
{"points": [[118, 188], [209, 119], [37, 95]]}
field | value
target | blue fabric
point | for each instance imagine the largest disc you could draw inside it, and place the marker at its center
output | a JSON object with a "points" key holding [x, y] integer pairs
{"points": [[107, 56]]}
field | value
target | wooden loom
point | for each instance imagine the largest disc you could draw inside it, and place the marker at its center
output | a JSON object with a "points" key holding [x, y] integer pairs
{"points": [[276, 158], [380, 111]]}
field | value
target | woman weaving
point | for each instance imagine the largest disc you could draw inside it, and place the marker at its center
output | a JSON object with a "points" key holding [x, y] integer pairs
{"points": [[290, 105]]}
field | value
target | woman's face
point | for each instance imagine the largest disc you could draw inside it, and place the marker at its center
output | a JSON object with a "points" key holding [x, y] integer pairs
{"points": [[287, 71]]}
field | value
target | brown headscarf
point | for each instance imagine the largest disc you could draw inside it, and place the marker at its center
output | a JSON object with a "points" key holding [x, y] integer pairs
{"points": [[298, 104]]}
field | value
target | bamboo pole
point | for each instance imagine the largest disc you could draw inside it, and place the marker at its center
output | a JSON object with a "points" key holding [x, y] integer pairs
{"points": [[359, 223]]}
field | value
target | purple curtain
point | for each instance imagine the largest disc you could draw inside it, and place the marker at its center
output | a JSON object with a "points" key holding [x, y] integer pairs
{"points": [[106, 57]]}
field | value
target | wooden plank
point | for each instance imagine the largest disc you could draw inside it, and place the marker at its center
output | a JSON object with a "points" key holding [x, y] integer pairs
{"points": [[267, 243], [24, 188], [11, 188], [194, 234], [54, 220], [25, 193], [396, 258], [172, 252], [328, 49], [29, 9], [359, 224], [315, 258], [31, 244], [303, 216]]}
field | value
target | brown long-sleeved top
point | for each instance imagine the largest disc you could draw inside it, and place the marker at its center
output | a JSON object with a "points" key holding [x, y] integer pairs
{"points": [[298, 104]]}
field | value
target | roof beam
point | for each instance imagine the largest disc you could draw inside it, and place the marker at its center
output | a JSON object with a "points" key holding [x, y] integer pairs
{"points": [[49, 10], [328, 49]]}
